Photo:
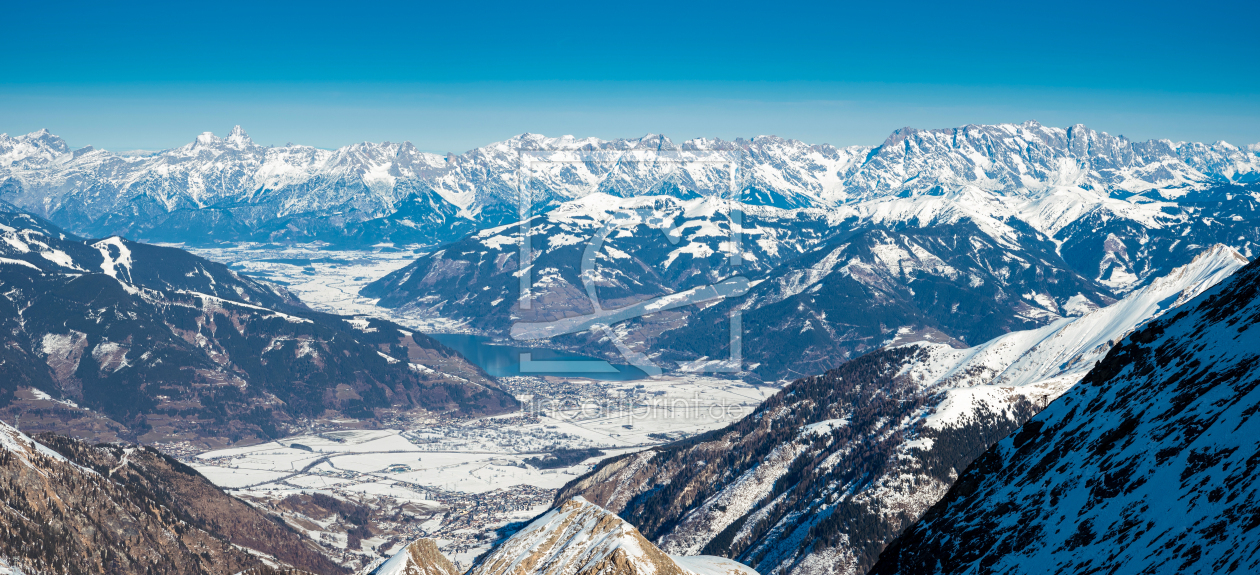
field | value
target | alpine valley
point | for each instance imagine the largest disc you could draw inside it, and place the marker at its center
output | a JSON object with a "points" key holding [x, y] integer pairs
{"points": [[993, 348]]}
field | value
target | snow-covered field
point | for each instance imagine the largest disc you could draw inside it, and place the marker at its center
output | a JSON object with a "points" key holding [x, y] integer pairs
{"points": [[326, 279], [471, 477], [482, 455]]}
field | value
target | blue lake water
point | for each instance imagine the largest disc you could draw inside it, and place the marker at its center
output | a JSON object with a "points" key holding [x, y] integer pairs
{"points": [[505, 360]]}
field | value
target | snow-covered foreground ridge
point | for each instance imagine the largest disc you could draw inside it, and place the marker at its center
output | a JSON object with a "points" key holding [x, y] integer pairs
{"points": [[581, 538], [826, 473], [1147, 466], [1053, 175]]}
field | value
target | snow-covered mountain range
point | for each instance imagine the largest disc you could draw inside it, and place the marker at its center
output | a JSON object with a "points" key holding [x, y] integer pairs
{"points": [[831, 469], [825, 284], [1147, 466], [1001, 228], [1046, 177]]}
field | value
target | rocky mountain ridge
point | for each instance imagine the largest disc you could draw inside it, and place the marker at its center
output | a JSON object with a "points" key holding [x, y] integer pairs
{"points": [[420, 557], [580, 538], [75, 508]]}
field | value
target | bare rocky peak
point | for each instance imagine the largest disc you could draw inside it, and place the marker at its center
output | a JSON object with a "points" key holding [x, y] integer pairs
{"points": [[581, 538], [421, 557]]}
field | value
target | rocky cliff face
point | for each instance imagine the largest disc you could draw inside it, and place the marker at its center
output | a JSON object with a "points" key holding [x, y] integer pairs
{"points": [[580, 538], [74, 508], [1146, 466]]}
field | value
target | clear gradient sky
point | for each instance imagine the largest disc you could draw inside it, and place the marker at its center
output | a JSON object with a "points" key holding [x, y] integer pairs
{"points": [[455, 75]]}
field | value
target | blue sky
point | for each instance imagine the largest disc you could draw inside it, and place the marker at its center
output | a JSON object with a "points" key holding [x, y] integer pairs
{"points": [[451, 76]]}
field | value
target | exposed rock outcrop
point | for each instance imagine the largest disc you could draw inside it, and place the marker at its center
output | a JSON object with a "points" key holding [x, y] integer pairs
{"points": [[581, 538]]}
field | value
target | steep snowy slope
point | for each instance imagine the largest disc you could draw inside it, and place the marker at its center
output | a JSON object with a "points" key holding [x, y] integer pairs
{"points": [[73, 508], [827, 472], [579, 538], [1146, 466], [1055, 357], [116, 339]]}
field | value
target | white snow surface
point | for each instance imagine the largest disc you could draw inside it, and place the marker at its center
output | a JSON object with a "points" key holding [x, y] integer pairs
{"points": [[710, 565], [1047, 361]]}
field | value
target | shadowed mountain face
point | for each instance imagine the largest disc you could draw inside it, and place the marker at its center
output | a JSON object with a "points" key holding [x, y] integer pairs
{"points": [[117, 339], [74, 508], [1146, 466]]}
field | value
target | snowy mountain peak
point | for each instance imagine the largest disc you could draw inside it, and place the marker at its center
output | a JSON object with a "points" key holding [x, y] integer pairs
{"points": [[206, 139], [1055, 176], [238, 138], [39, 147], [1216, 252]]}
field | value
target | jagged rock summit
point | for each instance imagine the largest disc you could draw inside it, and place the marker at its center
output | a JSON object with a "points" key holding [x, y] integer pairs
{"points": [[421, 557], [581, 538]]}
